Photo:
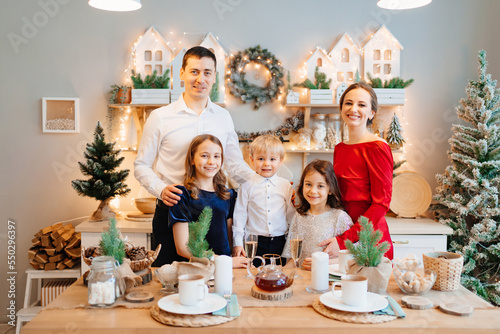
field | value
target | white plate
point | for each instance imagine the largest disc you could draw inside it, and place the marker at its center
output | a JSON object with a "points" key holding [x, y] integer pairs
{"points": [[374, 302], [333, 269], [211, 304]]}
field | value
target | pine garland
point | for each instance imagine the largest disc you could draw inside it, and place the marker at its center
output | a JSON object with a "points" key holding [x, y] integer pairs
{"points": [[102, 162], [111, 244], [320, 81], [367, 252], [239, 87], [293, 123], [467, 196], [396, 82], [197, 243]]}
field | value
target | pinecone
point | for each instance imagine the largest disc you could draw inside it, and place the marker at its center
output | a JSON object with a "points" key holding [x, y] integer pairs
{"points": [[136, 253], [92, 252]]}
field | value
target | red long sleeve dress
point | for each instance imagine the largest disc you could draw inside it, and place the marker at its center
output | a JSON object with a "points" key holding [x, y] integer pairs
{"points": [[364, 174]]}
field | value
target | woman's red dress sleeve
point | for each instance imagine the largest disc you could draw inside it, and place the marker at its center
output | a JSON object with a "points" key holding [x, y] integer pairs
{"points": [[379, 164]]}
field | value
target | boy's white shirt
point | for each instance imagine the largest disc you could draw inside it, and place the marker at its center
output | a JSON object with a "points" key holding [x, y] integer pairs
{"points": [[263, 207]]}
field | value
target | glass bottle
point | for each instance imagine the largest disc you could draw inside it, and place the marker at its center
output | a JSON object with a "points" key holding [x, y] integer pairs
{"points": [[102, 281], [318, 127], [334, 132]]}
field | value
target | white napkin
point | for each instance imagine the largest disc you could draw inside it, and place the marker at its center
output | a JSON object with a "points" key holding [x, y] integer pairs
{"points": [[223, 276]]}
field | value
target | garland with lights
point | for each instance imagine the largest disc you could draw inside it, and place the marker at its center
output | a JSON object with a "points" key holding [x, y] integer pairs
{"points": [[293, 123], [239, 86]]}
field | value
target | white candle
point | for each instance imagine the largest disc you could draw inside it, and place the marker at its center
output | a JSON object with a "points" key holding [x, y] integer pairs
{"points": [[223, 276], [319, 271]]}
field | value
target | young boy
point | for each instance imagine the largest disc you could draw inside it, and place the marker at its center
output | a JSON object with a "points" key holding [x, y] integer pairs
{"points": [[263, 206]]}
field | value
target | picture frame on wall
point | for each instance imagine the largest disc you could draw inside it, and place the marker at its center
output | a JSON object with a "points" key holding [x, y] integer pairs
{"points": [[61, 114]]}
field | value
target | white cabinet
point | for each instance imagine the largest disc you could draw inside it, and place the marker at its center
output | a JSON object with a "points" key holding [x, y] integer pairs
{"points": [[417, 236], [137, 232]]}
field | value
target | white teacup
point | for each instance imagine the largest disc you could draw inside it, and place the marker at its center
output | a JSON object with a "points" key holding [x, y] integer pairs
{"points": [[344, 257], [192, 289], [354, 289]]}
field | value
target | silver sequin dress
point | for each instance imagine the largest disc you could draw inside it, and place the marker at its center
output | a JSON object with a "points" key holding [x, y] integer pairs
{"points": [[315, 229]]}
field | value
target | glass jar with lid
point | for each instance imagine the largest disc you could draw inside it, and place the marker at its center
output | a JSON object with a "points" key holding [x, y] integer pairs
{"points": [[318, 127], [334, 131], [102, 281]]}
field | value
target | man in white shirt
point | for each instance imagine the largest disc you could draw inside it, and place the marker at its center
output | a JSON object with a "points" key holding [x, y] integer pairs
{"points": [[168, 131], [263, 207]]}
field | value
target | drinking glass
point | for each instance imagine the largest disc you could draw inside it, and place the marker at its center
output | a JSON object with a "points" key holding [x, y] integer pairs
{"points": [[251, 242], [296, 241]]}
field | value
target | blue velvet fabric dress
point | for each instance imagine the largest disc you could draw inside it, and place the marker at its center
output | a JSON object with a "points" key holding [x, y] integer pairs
{"points": [[188, 210]]}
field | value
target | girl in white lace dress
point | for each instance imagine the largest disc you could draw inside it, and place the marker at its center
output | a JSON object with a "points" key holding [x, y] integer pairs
{"points": [[320, 215]]}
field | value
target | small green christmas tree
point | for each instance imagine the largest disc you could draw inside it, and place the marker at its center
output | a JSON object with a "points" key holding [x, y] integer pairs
{"points": [[105, 181], [214, 93], [111, 244], [368, 252], [197, 243], [320, 81], [395, 134], [467, 197]]}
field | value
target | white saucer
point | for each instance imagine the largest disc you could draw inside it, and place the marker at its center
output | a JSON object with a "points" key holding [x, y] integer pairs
{"points": [[333, 269], [210, 304], [374, 302]]}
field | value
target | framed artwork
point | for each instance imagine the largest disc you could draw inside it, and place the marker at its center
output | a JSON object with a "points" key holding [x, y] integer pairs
{"points": [[61, 114]]}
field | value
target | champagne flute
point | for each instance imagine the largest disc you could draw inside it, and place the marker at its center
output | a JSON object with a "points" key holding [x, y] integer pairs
{"points": [[251, 242], [296, 241]]}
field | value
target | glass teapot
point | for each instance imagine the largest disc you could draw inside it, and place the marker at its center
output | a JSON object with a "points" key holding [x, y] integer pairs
{"points": [[271, 277]]}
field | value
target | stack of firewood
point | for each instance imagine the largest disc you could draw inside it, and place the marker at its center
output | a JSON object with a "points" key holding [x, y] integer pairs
{"points": [[55, 247]]}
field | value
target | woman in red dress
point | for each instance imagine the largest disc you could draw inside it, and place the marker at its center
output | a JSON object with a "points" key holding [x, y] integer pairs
{"points": [[363, 166]]}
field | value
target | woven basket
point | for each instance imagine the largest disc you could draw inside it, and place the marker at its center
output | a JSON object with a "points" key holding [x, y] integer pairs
{"points": [[448, 267]]}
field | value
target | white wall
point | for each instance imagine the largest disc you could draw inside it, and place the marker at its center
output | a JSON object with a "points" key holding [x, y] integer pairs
{"points": [[78, 51]]}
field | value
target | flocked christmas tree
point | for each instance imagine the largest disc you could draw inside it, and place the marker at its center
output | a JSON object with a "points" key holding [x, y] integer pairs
{"points": [[468, 192], [395, 133], [105, 180]]}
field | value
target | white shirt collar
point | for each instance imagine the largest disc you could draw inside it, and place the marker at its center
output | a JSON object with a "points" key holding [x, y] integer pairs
{"points": [[261, 179], [181, 106]]}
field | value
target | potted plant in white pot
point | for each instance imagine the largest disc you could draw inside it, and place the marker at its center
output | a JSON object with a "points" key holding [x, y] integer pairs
{"points": [[319, 91], [153, 89], [389, 92], [369, 259]]}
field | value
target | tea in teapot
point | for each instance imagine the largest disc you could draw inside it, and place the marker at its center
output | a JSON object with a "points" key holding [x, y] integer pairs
{"points": [[271, 277]]}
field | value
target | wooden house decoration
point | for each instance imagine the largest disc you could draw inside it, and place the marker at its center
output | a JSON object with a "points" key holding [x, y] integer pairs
{"points": [[346, 58], [340, 90], [175, 70], [320, 59], [151, 53], [292, 97], [212, 43], [382, 55]]}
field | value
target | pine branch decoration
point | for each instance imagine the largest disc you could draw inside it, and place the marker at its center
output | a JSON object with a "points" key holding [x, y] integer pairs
{"points": [[197, 243], [368, 252], [111, 243]]}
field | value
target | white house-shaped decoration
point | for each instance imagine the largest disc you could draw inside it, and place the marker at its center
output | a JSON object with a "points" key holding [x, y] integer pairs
{"points": [[346, 58], [175, 70], [212, 43], [382, 55], [292, 97], [340, 90], [152, 52], [320, 59]]}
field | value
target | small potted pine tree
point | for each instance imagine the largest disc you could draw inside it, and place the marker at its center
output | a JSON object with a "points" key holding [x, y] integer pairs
{"points": [[152, 89], [394, 135], [369, 259], [319, 91], [389, 92]]}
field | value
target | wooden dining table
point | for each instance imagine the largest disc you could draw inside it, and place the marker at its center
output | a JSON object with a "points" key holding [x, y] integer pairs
{"points": [[69, 314]]}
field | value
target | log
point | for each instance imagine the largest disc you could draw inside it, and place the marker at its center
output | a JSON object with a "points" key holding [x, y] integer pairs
{"points": [[275, 295], [75, 241], [49, 229], [416, 303], [41, 258], [32, 253], [50, 251], [73, 252], [57, 258], [61, 266], [49, 266], [36, 242]]}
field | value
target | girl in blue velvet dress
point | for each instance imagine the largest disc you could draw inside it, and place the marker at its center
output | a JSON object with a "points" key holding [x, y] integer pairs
{"points": [[204, 185]]}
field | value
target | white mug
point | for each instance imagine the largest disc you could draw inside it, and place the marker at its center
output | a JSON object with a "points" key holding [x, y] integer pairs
{"points": [[354, 289], [192, 289], [344, 257]]}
